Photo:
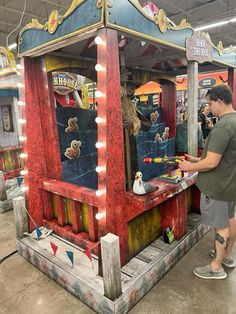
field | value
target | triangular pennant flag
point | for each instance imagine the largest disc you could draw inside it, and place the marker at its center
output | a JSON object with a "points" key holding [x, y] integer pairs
{"points": [[54, 248], [88, 253], [38, 232], [71, 256]]}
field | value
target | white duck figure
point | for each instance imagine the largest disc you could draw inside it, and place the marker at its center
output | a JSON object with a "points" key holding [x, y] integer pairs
{"points": [[140, 187]]}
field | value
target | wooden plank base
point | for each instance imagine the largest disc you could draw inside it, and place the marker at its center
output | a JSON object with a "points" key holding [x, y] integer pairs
{"points": [[139, 275]]}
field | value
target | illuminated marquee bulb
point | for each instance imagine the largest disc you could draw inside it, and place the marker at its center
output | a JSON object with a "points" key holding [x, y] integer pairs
{"points": [[99, 68], [23, 172], [99, 169], [19, 66], [22, 121], [20, 85], [98, 40], [23, 155], [99, 216], [22, 138], [99, 120], [100, 192], [20, 103], [98, 94], [99, 145]]}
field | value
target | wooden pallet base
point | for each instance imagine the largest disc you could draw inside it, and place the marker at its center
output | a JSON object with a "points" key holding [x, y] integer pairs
{"points": [[138, 276]]}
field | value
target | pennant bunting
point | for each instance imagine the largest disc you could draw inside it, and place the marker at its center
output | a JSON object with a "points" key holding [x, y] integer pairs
{"points": [[38, 232], [70, 256], [54, 248]]}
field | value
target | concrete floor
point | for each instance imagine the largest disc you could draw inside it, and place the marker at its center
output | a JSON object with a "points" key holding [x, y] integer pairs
{"points": [[25, 290]]}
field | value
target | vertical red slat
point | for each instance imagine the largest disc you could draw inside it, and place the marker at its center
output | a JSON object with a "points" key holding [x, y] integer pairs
{"points": [[48, 205], [1, 162], [75, 216], [61, 211], [92, 223]]}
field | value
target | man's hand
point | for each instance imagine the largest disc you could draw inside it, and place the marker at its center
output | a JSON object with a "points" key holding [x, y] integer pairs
{"points": [[192, 158], [186, 165]]}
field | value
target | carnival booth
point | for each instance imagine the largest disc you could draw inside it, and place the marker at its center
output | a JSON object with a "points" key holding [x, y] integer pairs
{"points": [[80, 162], [10, 147]]}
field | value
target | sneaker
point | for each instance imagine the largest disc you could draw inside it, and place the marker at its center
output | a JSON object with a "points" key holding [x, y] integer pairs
{"points": [[227, 261], [206, 272]]}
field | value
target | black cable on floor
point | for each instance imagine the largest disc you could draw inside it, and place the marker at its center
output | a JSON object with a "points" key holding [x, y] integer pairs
{"points": [[7, 256]]}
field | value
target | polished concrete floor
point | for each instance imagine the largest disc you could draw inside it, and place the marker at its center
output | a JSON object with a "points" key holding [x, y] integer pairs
{"points": [[25, 290]]}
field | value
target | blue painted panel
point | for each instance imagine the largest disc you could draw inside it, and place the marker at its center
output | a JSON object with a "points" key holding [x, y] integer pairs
{"points": [[9, 92], [124, 14], [85, 15]]}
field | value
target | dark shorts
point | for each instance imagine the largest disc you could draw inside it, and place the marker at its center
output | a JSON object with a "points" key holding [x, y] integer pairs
{"points": [[215, 213]]}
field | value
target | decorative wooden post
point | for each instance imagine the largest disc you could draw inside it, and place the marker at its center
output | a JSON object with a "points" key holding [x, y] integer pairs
{"points": [[110, 133], [169, 105], [192, 108], [111, 266], [20, 214], [3, 194], [232, 84]]}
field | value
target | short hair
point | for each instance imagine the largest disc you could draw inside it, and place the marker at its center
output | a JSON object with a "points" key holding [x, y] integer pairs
{"points": [[222, 92]]}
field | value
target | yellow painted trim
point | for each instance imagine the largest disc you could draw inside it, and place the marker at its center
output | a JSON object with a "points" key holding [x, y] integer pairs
{"points": [[12, 63]]}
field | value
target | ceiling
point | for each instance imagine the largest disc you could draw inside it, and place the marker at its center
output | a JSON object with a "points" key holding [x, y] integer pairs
{"points": [[197, 12]]}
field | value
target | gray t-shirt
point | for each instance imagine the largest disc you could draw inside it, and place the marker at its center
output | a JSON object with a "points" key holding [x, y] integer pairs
{"points": [[220, 182]]}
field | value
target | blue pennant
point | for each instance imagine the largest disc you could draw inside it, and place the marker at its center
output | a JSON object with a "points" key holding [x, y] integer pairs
{"points": [[38, 232], [71, 256]]}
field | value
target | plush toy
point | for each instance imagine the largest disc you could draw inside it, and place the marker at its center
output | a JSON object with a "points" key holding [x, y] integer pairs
{"points": [[73, 151], [72, 125], [158, 138], [154, 116], [166, 133]]}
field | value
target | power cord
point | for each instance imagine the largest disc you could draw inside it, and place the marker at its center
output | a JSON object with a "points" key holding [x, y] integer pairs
{"points": [[7, 256]]}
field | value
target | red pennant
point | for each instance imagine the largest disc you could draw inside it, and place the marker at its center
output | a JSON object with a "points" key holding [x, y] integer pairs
{"points": [[88, 253], [54, 248]]}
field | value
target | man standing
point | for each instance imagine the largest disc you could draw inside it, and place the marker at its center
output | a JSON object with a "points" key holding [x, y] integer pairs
{"points": [[205, 120], [217, 182]]}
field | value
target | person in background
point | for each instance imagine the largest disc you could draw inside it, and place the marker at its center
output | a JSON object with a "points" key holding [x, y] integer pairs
{"points": [[182, 135], [206, 121], [217, 181]]}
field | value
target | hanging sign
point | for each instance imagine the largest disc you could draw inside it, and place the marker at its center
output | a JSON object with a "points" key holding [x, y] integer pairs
{"points": [[199, 48], [207, 82], [64, 83]]}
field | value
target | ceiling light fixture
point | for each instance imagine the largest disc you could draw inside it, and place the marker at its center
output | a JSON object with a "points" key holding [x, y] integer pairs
{"points": [[213, 25]]}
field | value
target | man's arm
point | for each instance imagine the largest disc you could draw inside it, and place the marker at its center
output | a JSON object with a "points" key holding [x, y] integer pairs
{"points": [[210, 162]]}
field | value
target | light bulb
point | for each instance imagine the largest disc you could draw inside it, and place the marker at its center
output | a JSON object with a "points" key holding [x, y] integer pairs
{"points": [[98, 40], [22, 121], [19, 66], [23, 172], [99, 216], [99, 169], [98, 94], [99, 144], [22, 138], [99, 120], [100, 192], [20, 103], [99, 68], [23, 155], [20, 85]]}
